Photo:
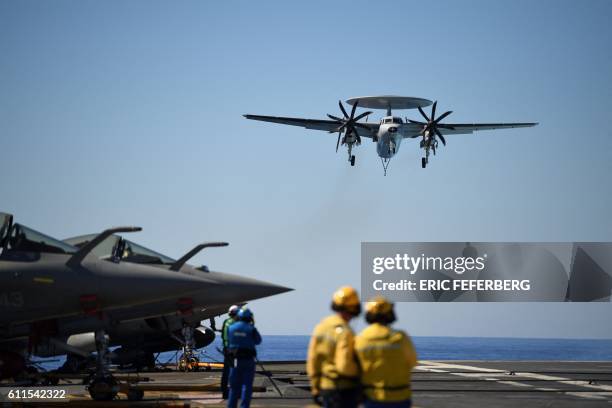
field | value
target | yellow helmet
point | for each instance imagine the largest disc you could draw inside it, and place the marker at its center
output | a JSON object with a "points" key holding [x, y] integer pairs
{"points": [[346, 299], [379, 310], [379, 305]]}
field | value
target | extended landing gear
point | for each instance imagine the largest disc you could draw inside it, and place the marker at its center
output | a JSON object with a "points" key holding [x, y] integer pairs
{"points": [[102, 386], [188, 361], [135, 395], [425, 160], [351, 156]]}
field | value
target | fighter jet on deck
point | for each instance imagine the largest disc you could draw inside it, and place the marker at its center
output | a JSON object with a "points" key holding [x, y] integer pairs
{"points": [[141, 338], [43, 278], [141, 327], [44, 281]]}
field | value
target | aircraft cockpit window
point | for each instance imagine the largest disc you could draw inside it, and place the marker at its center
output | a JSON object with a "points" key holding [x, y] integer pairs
{"points": [[26, 239], [139, 254], [397, 120], [104, 248], [5, 226], [130, 252]]}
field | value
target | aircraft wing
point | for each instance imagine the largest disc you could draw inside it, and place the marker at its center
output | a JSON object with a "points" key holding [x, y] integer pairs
{"points": [[467, 128], [316, 124]]}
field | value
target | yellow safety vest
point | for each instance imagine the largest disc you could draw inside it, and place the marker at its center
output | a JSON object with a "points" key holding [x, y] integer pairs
{"points": [[386, 358], [331, 363]]}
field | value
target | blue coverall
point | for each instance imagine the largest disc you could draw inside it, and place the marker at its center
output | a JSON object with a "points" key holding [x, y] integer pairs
{"points": [[242, 338]]}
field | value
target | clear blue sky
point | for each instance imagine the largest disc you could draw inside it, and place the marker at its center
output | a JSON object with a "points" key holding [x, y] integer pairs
{"points": [[130, 113]]}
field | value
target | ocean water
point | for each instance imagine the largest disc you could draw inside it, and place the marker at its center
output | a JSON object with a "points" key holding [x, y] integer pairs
{"points": [[282, 348], [278, 348]]}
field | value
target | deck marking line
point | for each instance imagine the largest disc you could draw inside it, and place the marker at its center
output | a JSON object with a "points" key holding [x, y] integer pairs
{"points": [[561, 380]]}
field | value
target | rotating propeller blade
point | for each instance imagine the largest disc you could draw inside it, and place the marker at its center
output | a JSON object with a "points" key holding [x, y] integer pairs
{"points": [[423, 113], [440, 136], [433, 125], [445, 114], [348, 124], [343, 110], [354, 109], [364, 114]]}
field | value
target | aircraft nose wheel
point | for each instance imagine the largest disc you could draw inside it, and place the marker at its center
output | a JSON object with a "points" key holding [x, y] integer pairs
{"points": [[135, 395], [188, 363], [352, 160], [102, 385], [103, 388]]}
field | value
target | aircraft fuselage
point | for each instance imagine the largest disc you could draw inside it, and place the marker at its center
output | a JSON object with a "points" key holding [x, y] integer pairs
{"points": [[390, 135]]}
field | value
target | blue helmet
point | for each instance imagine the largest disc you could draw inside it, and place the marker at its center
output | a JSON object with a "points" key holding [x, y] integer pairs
{"points": [[245, 314]]}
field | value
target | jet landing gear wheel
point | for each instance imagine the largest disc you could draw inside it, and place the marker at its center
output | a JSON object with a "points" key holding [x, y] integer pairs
{"points": [[103, 388], [194, 364], [135, 395], [423, 162], [183, 364], [188, 363], [102, 385], [353, 160]]}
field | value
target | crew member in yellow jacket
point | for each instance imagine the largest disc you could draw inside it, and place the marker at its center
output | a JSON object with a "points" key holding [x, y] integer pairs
{"points": [[331, 365], [386, 358]]}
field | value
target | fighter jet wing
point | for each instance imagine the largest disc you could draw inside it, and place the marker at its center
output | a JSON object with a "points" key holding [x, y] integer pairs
{"points": [[317, 124], [467, 128]]}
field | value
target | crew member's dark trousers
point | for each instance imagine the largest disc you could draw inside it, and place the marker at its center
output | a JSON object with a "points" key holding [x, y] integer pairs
{"points": [[398, 404], [241, 382], [227, 364], [340, 398]]}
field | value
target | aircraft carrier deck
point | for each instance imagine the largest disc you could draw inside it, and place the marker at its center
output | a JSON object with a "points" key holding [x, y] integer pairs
{"points": [[435, 384]]}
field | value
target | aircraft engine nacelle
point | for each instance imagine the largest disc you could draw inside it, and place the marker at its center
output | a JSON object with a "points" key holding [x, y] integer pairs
{"points": [[11, 364], [162, 341], [203, 336]]}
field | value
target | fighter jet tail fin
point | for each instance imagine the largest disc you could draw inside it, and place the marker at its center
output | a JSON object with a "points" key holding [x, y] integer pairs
{"points": [[78, 257], [179, 264]]}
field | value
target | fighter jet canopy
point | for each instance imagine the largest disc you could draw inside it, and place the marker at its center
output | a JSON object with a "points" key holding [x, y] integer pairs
{"points": [[25, 239], [130, 251], [6, 221]]}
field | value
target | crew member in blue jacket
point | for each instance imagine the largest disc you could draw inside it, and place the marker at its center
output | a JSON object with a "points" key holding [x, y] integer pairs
{"points": [[242, 338]]}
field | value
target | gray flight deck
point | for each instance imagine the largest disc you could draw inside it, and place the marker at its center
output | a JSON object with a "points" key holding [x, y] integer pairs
{"points": [[435, 384]]}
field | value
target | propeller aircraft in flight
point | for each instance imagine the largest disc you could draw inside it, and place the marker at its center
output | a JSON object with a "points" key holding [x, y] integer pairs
{"points": [[389, 132]]}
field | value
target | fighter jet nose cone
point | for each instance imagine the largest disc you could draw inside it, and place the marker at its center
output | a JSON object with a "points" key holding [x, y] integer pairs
{"points": [[251, 289], [278, 289], [242, 289]]}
